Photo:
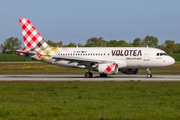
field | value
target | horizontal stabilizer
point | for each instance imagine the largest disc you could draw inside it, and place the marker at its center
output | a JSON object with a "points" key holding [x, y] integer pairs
{"points": [[30, 53]]}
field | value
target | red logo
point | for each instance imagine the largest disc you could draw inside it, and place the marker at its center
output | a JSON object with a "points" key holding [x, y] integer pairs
{"points": [[39, 55], [109, 69]]}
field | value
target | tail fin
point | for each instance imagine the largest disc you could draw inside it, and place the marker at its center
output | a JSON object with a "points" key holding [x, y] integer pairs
{"points": [[32, 39]]}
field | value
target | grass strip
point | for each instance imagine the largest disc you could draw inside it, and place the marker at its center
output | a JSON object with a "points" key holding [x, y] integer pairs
{"points": [[44, 68], [90, 100]]}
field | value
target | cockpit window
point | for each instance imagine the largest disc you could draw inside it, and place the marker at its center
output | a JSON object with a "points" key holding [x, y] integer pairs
{"points": [[165, 54], [161, 54]]}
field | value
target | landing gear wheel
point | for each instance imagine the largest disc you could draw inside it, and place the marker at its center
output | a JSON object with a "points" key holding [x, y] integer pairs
{"points": [[103, 75], [91, 75], [149, 75], [88, 75]]}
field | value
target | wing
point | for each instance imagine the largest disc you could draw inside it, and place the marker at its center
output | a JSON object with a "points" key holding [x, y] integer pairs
{"points": [[81, 61]]}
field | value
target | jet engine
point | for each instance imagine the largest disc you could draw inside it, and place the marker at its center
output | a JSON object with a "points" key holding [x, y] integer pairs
{"points": [[129, 70], [110, 68]]}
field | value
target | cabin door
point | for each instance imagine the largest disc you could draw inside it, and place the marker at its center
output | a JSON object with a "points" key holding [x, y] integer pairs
{"points": [[147, 55]]}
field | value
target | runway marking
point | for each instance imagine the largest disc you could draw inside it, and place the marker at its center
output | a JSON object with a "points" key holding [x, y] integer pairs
{"points": [[82, 78]]}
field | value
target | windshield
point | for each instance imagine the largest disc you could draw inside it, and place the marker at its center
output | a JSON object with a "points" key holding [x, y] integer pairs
{"points": [[161, 54]]}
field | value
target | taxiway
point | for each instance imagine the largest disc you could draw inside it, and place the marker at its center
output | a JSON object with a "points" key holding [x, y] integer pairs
{"points": [[96, 77]]}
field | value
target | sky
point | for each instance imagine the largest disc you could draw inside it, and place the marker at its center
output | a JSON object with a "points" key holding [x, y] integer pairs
{"points": [[78, 20]]}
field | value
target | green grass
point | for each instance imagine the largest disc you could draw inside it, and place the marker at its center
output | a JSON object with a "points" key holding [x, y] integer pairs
{"points": [[90, 100], [12, 58], [44, 68], [176, 56]]}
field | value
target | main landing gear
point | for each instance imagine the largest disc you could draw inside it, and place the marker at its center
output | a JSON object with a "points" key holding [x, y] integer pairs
{"points": [[149, 75], [89, 74]]}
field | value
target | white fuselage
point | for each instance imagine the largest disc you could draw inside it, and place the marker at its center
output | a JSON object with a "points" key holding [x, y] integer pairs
{"points": [[125, 57]]}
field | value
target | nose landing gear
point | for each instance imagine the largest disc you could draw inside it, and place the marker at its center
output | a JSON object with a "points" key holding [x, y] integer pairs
{"points": [[149, 75]]}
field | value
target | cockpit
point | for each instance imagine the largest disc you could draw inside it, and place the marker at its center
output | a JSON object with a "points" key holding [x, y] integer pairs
{"points": [[161, 54]]}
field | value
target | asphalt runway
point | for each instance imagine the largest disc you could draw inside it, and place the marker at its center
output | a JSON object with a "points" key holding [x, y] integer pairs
{"points": [[96, 77]]}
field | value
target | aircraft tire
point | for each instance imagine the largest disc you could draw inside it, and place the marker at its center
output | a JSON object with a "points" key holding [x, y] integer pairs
{"points": [[88, 75], [149, 75], [91, 75]]}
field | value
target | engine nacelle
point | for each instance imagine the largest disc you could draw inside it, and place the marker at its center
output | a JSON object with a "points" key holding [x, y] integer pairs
{"points": [[129, 70], [110, 68]]}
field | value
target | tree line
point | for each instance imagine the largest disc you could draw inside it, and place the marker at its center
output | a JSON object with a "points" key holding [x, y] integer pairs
{"points": [[169, 46]]}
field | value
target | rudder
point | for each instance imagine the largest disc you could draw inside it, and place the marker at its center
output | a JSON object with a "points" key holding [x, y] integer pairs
{"points": [[32, 39]]}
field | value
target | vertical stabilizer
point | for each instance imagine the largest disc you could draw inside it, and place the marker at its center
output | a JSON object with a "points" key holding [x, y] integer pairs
{"points": [[32, 39]]}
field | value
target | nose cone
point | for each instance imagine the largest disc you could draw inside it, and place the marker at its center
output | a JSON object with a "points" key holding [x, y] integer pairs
{"points": [[171, 61]]}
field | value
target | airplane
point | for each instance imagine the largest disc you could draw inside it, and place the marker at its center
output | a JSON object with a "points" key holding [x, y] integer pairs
{"points": [[105, 60]]}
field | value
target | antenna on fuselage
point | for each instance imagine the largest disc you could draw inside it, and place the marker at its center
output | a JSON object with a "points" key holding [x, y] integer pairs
{"points": [[147, 46]]}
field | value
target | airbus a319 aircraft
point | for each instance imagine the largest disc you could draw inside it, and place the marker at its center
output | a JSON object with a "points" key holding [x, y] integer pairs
{"points": [[105, 60]]}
